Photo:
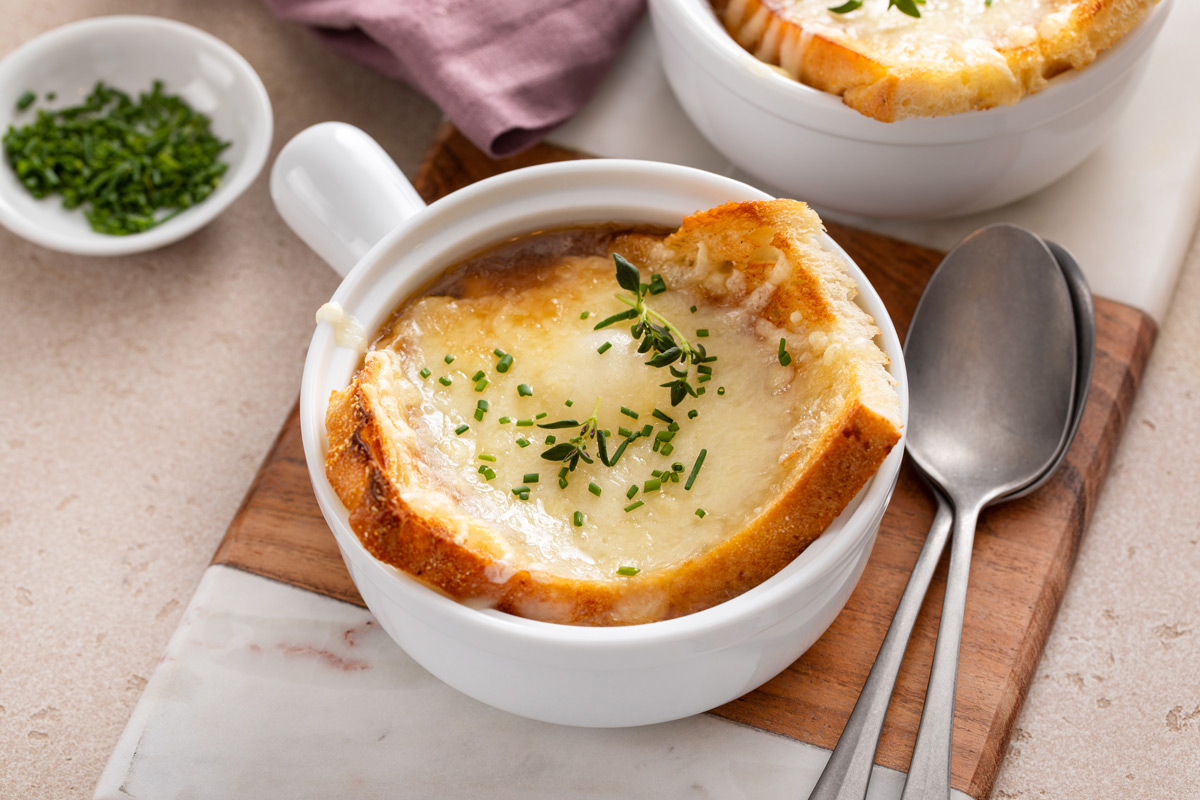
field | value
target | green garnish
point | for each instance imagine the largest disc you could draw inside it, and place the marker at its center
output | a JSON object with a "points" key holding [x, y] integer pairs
{"points": [[636, 504], [657, 333], [656, 285], [651, 485], [694, 413], [551, 439], [541, 415], [847, 7], [666, 449], [461, 429], [425, 373], [701, 513], [445, 380], [505, 420], [632, 491], [908, 7], [521, 492], [481, 384], [585, 315], [505, 362], [574, 449], [721, 390], [133, 164], [627, 412], [524, 423], [523, 442], [530, 477], [449, 359], [577, 518], [604, 348], [701, 332], [695, 470], [487, 472], [480, 408], [486, 457], [524, 390], [629, 571], [660, 415], [594, 488], [569, 403], [478, 376], [785, 357]]}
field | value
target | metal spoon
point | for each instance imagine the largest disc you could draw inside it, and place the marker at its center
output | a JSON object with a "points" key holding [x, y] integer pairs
{"points": [[992, 357], [848, 771]]}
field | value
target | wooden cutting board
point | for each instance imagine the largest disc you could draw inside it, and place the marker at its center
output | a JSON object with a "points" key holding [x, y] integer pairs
{"points": [[1023, 552]]}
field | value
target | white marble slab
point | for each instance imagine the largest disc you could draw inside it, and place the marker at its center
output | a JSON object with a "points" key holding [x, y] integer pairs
{"points": [[1127, 213], [269, 691]]}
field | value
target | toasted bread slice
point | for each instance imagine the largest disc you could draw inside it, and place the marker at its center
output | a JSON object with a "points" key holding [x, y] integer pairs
{"points": [[960, 55], [707, 506]]}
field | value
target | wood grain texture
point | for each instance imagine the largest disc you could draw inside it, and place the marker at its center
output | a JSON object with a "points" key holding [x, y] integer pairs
{"points": [[1024, 550]]}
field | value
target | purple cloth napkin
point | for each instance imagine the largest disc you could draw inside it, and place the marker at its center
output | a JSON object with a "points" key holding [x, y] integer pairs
{"points": [[506, 72]]}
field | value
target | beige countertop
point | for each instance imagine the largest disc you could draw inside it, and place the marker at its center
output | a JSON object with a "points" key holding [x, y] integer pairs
{"points": [[138, 396]]}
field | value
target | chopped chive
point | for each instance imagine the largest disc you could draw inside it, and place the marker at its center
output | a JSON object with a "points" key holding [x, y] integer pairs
{"points": [[785, 357], [664, 436], [695, 469], [505, 362], [704, 379], [530, 477], [721, 390], [623, 431], [628, 571], [562, 473], [647, 429], [449, 359], [486, 457], [521, 492], [585, 315], [479, 415], [632, 491], [524, 390], [673, 427], [551, 439], [542, 415], [425, 373], [569, 403], [594, 488], [524, 423], [704, 369], [523, 442], [602, 349], [652, 485], [487, 472], [636, 504], [701, 391], [657, 285], [461, 429], [445, 380], [482, 405], [480, 375], [25, 100], [666, 449], [577, 518], [498, 353], [677, 467], [505, 420], [562, 483], [701, 332], [693, 309], [628, 413], [694, 413], [481, 385], [660, 415], [656, 473], [701, 513]]}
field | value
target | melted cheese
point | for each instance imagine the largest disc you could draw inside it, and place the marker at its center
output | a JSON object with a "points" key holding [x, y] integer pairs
{"points": [[747, 432], [949, 34]]}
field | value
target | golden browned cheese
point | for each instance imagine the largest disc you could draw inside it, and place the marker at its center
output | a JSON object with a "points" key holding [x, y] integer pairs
{"points": [[960, 55], [428, 471]]}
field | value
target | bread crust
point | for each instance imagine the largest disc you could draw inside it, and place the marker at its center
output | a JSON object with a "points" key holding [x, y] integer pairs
{"points": [[888, 89], [366, 468]]}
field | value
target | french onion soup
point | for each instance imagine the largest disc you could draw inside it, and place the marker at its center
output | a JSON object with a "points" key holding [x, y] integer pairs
{"points": [[617, 425]]}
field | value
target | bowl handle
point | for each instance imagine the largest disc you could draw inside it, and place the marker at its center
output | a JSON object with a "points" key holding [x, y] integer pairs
{"points": [[340, 192]]}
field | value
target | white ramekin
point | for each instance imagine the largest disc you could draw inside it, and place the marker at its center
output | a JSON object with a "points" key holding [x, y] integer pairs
{"points": [[807, 143], [336, 188]]}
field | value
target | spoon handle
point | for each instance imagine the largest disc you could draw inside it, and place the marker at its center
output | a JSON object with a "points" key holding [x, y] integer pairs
{"points": [[848, 771], [929, 771]]}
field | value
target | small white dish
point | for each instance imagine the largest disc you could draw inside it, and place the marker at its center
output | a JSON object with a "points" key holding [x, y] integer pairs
{"points": [[130, 53]]}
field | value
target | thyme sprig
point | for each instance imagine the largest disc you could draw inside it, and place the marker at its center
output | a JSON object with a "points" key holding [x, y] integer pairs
{"points": [[575, 449], [658, 335]]}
